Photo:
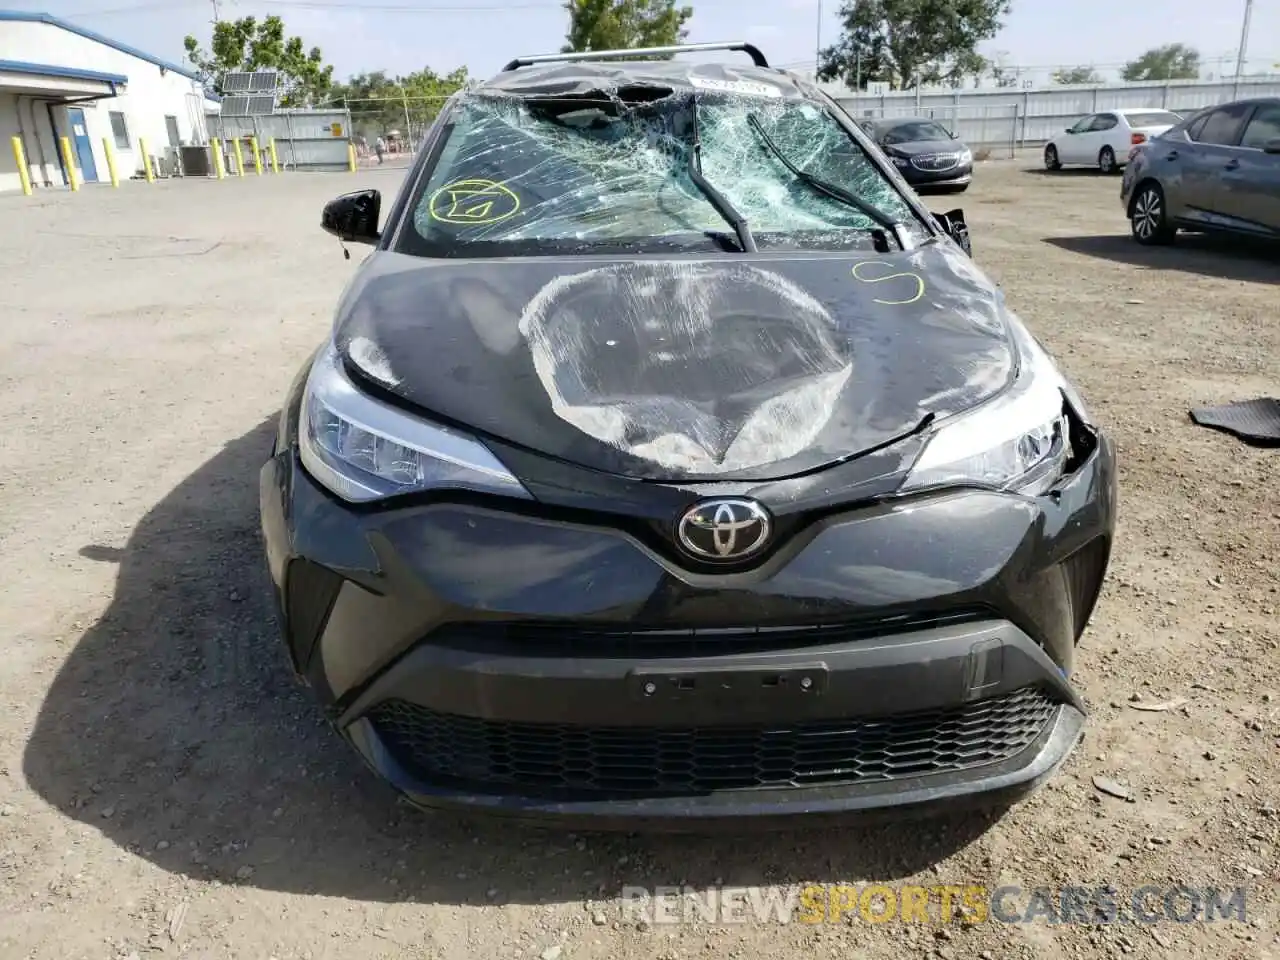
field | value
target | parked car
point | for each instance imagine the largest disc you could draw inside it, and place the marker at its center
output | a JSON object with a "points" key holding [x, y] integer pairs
{"points": [[1217, 171], [927, 154], [669, 460], [1104, 140]]}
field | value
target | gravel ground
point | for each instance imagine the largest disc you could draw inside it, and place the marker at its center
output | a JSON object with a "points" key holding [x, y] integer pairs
{"points": [[165, 788]]}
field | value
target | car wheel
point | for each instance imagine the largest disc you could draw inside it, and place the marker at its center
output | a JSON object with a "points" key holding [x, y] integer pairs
{"points": [[1149, 216], [1051, 161], [1107, 160]]}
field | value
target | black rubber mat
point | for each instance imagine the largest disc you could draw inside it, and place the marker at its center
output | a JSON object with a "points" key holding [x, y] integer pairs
{"points": [[1253, 421]]}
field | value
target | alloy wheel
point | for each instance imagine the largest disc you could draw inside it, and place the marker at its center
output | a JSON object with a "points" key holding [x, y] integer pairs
{"points": [[1148, 213], [1107, 160]]}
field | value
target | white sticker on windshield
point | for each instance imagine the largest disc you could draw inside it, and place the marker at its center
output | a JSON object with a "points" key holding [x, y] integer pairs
{"points": [[736, 86]]}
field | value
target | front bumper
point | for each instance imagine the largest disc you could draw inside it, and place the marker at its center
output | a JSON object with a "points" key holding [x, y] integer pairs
{"points": [[1127, 180], [954, 177], [509, 662]]}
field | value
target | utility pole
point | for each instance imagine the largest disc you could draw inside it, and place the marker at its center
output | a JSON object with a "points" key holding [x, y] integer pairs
{"points": [[817, 48], [1242, 57], [216, 15], [408, 130]]}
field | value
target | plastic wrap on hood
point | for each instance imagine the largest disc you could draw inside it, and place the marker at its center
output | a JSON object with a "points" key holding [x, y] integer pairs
{"points": [[680, 370], [701, 370]]}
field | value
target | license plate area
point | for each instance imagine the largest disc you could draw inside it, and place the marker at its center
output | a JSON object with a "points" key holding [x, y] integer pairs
{"points": [[731, 685]]}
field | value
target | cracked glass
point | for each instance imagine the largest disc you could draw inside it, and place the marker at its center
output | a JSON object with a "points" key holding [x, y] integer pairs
{"points": [[607, 171]]}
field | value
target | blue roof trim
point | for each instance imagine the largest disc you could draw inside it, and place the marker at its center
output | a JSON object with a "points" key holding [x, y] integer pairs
{"points": [[24, 17], [45, 70]]}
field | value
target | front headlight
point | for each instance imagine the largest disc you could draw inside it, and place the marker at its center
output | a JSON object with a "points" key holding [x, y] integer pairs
{"points": [[966, 156], [363, 450], [1019, 441], [902, 161]]}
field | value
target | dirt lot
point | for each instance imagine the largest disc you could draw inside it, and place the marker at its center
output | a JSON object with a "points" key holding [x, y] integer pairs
{"points": [[165, 788]]}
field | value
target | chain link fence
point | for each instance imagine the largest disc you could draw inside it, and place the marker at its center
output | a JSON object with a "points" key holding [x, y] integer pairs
{"points": [[401, 122]]}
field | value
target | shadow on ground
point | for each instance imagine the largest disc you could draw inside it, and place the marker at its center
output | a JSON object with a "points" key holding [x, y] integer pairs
{"points": [[1227, 258], [1078, 172], [175, 728]]}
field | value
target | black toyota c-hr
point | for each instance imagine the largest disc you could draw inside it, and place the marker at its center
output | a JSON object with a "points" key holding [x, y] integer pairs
{"points": [[669, 461]]}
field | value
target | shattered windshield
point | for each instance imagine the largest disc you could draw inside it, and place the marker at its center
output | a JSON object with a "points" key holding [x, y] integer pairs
{"points": [[520, 176]]}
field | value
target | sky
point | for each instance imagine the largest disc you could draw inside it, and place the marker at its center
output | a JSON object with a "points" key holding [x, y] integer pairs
{"points": [[400, 36]]}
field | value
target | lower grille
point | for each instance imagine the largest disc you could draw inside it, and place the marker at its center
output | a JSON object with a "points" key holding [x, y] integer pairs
{"points": [[538, 759], [936, 162], [551, 638]]}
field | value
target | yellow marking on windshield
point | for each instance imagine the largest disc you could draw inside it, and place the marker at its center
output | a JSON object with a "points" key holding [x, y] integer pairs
{"points": [[915, 278], [473, 203]]}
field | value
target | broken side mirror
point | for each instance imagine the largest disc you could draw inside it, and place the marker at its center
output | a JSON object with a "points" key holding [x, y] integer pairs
{"points": [[956, 228], [353, 217]]}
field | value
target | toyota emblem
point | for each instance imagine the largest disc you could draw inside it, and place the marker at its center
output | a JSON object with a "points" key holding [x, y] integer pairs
{"points": [[727, 529]]}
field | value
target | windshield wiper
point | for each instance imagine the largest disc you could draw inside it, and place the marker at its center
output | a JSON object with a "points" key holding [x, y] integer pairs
{"points": [[830, 189], [723, 206]]}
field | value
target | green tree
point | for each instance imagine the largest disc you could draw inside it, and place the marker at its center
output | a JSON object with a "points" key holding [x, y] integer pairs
{"points": [[1173, 61], [1076, 75], [902, 42], [380, 104], [252, 44], [623, 24]]}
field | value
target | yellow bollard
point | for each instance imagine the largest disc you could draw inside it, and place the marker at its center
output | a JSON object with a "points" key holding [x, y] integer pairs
{"points": [[146, 160], [111, 161], [215, 147], [275, 160], [239, 157], [20, 157], [70, 163], [351, 157], [257, 156]]}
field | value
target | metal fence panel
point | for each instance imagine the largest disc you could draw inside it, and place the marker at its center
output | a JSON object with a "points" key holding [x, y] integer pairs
{"points": [[993, 128], [305, 139], [1044, 112]]}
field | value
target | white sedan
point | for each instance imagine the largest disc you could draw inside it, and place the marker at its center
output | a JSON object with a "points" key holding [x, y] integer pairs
{"points": [[1104, 140]]}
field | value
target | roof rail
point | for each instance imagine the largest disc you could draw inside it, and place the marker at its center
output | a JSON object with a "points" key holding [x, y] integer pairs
{"points": [[750, 49]]}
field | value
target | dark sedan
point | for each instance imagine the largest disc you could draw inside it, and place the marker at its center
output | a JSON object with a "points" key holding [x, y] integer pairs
{"points": [[1217, 171], [669, 460], [928, 155]]}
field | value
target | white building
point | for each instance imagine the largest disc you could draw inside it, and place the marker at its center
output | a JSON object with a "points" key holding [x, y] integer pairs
{"points": [[58, 79]]}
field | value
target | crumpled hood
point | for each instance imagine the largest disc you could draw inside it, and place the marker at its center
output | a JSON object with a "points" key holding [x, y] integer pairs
{"points": [[757, 367]]}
